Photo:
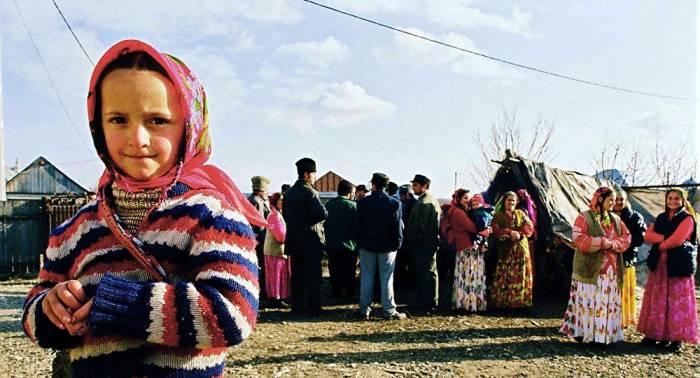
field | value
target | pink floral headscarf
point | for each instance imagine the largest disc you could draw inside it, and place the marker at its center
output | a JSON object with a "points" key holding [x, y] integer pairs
{"points": [[192, 169]]}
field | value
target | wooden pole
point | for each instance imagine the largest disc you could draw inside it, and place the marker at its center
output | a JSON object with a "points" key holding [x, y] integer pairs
{"points": [[3, 194]]}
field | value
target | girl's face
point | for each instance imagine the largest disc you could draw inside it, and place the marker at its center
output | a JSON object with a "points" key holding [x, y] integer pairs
{"points": [[509, 203], [464, 200], [475, 203], [142, 122], [608, 202], [279, 203], [674, 201]]}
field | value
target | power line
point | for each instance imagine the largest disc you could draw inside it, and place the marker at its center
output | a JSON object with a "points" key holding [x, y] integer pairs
{"points": [[43, 64], [522, 66], [71, 31], [79, 161]]}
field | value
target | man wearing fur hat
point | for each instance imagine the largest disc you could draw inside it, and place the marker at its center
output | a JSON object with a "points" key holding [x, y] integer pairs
{"points": [[259, 200], [304, 213]]}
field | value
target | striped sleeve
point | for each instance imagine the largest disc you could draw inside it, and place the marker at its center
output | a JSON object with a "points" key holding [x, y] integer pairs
{"points": [[218, 307], [582, 240], [64, 244]]}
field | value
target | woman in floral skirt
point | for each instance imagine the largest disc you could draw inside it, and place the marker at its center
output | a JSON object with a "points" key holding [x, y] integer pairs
{"points": [[594, 312], [469, 290], [512, 283]]}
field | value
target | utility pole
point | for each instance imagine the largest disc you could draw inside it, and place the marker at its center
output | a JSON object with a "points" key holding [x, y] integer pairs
{"points": [[3, 194]]}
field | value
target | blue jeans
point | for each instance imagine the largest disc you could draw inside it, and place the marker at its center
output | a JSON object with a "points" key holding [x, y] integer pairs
{"points": [[369, 263]]}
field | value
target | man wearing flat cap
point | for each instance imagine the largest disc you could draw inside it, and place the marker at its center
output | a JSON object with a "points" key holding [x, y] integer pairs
{"points": [[305, 242], [341, 241], [259, 200], [380, 236], [422, 243]]}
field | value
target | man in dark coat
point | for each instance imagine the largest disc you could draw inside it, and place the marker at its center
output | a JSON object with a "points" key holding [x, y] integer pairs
{"points": [[261, 203], [402, 271], [305, 242], [381, 233], [422, 243], [637, 228], [341, 245]]}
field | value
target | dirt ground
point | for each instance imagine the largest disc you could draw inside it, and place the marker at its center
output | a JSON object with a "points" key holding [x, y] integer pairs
{"points": [[443, 344]]}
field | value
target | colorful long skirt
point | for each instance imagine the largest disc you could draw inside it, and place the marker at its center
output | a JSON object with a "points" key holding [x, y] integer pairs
{"points": [[594, 311], [668, 308], [469, 290], [512, 283], [278, 272], [629, 298]]}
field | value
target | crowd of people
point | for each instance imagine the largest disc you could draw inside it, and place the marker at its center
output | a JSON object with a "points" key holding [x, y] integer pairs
{"points": [[162, 271], [396, 232]]}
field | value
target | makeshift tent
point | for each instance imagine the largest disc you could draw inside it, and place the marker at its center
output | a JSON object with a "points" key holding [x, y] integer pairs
{"points": [[560, 196]]}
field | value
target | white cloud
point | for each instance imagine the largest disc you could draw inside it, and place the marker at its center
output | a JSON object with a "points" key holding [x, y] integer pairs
{"points": [[308, 106], [463, 14], [348, 104], [321, 54], [667, 119], [423, 53]]}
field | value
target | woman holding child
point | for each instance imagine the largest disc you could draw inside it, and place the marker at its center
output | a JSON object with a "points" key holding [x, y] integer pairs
{"points": [[469, 290]]}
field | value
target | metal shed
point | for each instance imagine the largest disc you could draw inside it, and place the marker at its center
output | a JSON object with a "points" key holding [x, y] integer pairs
{"points": [[26, 217]]}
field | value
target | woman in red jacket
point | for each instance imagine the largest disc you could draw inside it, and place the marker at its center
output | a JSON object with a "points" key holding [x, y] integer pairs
{"points": [[469, 290], [669, 315]]}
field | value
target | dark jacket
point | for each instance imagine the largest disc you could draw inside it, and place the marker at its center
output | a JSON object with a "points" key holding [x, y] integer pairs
{"points": [[263, 207], [636, 226], [341, 225], [304, 214], [381, 228], [424, 224]]}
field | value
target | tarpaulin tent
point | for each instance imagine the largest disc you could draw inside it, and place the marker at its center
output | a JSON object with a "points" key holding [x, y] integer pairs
{"points": [[560, 196]]}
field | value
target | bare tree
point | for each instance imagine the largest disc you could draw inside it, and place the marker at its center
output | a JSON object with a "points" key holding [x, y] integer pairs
{"points": [[507, 133], [665, 164], [617, 161]]}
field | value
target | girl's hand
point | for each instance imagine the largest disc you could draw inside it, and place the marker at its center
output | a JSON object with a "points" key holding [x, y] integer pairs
{"points": [[79, 325], [62, 301]]}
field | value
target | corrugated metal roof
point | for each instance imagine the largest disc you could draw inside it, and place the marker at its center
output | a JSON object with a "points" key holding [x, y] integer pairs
{"points": [[42, 177]]}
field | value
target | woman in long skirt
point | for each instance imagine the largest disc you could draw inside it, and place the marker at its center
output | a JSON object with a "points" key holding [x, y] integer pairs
{"points": [[669, 315], [636, 226], [469, 289], [594, 311], [278, 269], [512, 283]]}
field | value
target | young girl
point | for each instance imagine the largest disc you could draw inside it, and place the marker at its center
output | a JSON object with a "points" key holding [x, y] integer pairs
{"points": [[158, 275], [481, 214]]}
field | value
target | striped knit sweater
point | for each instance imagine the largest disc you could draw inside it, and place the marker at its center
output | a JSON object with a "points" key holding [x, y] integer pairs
{"points": [[143, 328]]}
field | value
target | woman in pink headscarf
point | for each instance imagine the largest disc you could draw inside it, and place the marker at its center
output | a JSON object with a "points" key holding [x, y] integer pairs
{"points": [[594, 312]]}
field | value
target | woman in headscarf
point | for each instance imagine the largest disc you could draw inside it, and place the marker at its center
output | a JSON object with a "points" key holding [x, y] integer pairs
{"points": [[512, 283], [594, 311], [526, 204], [669, 315], [636, 226], [469, 290]]}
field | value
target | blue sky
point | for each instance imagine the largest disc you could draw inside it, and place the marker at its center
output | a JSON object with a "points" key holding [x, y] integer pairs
{"points": [[286, 79]]}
